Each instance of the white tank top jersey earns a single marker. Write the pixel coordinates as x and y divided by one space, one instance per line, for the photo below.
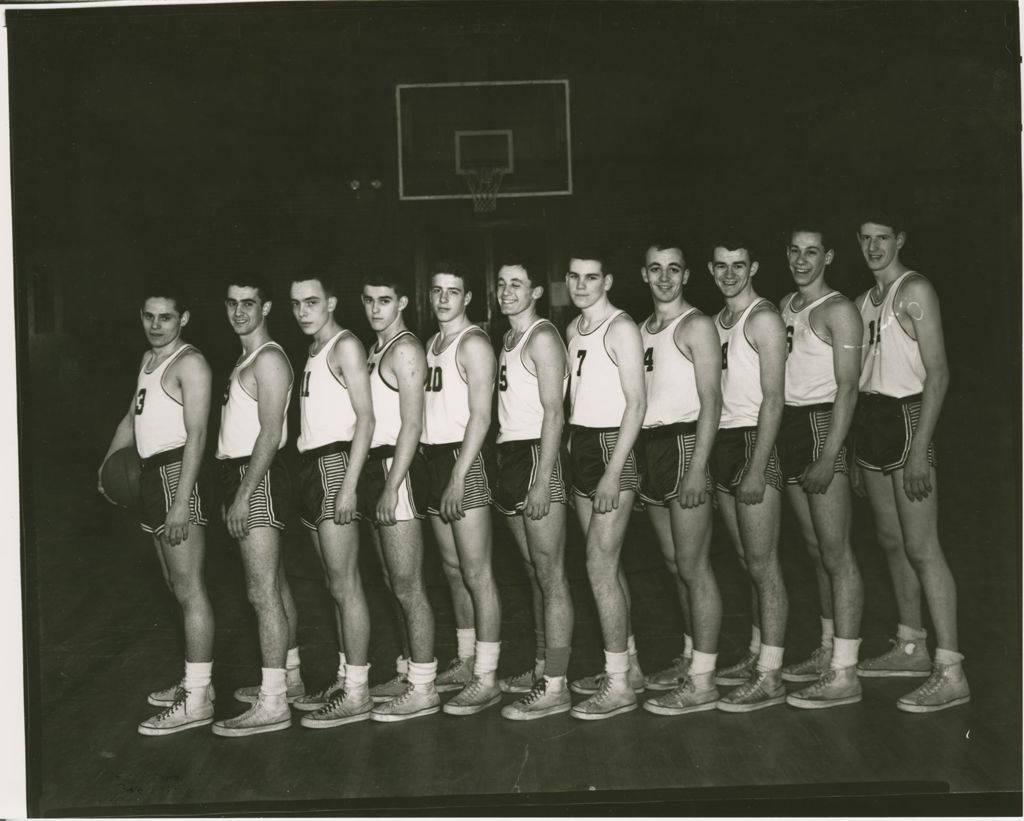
159 420
520 413
386 405
239 415
325 407
741 373
669 377
446 400
810 369
595 392
892 363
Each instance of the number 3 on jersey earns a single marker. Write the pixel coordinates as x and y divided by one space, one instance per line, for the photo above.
434 381
140 401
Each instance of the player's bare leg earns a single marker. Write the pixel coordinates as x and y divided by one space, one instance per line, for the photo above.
460 672
744 668
396 686
673 675
523 682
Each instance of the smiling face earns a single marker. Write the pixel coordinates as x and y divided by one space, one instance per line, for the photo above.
516 293
807 257
311 306
587 282
448 297
246 311
382 306
880 245
732 270
161 321
665 272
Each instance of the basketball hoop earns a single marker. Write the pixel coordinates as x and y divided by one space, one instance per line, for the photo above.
484 181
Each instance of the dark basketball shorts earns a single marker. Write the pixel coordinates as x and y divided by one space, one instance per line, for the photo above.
517 471
665 451
731 458
883 428
158 484
590 450
440 459
411 493
270 503
802 439
321 473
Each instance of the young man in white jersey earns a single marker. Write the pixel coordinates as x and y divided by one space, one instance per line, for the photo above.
530 489
166 421
683 381
746 470
253 429
389 491
457 414
823 335
903 382
336 415
607 408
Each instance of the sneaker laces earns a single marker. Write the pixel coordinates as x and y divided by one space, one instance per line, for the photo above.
335 686
935 680
177 706
472 688
456 664
335 701
540 689
824 680
405 695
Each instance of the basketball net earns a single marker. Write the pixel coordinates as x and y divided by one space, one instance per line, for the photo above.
484 182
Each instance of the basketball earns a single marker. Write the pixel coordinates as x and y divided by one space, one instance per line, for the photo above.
121 477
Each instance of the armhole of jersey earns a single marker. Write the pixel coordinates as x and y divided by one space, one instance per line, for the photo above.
291 371
822 304
906 276
334 345
604 339
753 310
694 311
176 355
526 341
458 347
383 354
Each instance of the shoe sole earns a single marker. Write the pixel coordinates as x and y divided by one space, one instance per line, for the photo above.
584 691
383 699
450 688
678 711
893 673
390 717
733 681
306 721
160 702
618 711
308 706
471 709
821 704
505 688
798 677
922 708
230 732
252 699
517 715
729 707
661 686
155 731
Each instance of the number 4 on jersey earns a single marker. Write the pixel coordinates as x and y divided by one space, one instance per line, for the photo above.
649 360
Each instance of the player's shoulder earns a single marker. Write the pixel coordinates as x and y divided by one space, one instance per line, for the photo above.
544 333
348 343
784 302
917 285
408 343
837 304
475 342
271 355
191 361
694 323
764 317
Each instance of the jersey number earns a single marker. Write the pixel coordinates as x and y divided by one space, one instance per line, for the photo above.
872 338
789 339
581 355
649 359
434 381
305 384
502 379
725 356
140 401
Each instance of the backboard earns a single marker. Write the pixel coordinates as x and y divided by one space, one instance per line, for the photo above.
521 128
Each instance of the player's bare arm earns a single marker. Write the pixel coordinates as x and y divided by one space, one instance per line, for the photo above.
697 338
271 375
405 365
190 378
627 351
476 361
838 321
348 359
545 355
767 334
917 309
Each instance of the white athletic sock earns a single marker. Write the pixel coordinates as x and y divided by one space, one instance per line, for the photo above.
769 658
466 638
631 644
616 662
687 646
273 682
357 676
198 675
844 653
422 675
828 631
486 660
910 633
341 666
703 663
402 666
947 657
292 660
755 639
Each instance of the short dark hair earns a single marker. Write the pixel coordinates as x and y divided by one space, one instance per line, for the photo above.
534 270
734 242
809 226
664 243
387 276
882 215
452 267
326 282
168 290
594 252
255 281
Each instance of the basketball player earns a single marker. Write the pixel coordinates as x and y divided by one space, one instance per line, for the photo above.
903 382
683 379
823 334
388 487
746 469
166 421
336 426
532 380
607 408
457 414
253 429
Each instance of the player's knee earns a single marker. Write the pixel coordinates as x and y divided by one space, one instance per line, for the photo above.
922 552
693 569
890 540
344 585
812 547
837 557
477 576
262 593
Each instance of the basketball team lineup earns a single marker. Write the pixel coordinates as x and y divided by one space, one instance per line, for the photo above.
694 421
